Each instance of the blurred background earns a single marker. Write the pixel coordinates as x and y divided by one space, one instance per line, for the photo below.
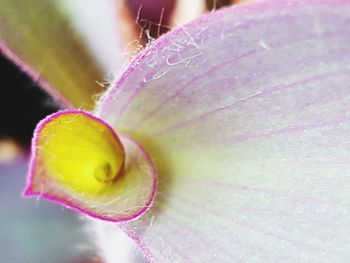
107 34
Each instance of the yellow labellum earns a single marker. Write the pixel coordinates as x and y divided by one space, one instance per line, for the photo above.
81 153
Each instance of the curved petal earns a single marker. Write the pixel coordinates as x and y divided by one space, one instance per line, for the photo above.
78 161
39 35
246 114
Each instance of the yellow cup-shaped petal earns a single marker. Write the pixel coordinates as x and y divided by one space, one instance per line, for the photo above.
81 153
79 161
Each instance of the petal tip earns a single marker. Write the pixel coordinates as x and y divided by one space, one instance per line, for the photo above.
28 192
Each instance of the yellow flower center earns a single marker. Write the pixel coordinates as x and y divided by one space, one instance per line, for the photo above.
81 153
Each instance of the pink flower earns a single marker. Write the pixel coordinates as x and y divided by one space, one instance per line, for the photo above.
245 115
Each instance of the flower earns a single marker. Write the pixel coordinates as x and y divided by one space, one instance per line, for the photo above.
245 115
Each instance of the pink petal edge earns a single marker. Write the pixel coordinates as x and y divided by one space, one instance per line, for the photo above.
165 39
28 191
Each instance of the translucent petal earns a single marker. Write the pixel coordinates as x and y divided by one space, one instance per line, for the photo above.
246 114
78 161
38 37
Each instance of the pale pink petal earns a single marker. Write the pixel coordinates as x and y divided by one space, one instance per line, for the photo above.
246 115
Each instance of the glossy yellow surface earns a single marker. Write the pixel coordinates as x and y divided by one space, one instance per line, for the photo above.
81 153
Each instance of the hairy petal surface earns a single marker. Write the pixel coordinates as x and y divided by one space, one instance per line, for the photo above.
246 114
39 34
78 161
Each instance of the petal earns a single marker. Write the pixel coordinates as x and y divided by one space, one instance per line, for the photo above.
246 115
38 34
80 162
120 248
